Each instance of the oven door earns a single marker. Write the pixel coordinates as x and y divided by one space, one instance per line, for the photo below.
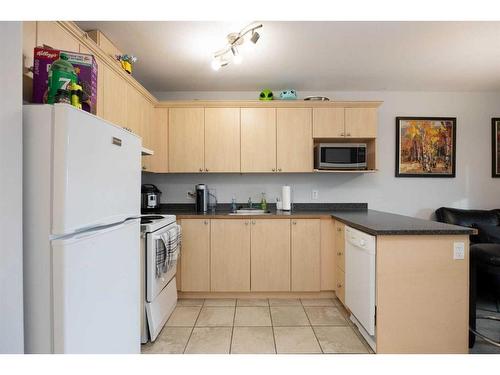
156 281
342 156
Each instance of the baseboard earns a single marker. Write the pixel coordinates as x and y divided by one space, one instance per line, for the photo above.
207 295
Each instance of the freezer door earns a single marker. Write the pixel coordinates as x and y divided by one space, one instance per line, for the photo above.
96 171
96 291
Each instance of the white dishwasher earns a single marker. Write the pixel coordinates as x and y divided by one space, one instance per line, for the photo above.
360 249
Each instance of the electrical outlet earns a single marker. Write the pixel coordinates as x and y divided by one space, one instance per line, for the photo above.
189 194
458 250
315 194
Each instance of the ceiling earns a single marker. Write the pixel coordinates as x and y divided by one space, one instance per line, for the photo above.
307 56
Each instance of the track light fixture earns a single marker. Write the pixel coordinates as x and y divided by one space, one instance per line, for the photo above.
234 40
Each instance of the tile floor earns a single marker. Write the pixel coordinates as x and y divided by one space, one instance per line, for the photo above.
258 326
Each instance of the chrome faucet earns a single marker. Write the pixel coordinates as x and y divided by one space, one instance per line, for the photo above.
250 202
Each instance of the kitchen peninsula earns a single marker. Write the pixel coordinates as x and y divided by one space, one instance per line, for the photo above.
421 285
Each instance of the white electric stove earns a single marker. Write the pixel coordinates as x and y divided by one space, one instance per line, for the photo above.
160 248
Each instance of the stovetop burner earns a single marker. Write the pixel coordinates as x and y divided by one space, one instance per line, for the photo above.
149 219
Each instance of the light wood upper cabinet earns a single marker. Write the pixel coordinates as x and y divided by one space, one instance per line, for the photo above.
146 121
134 110
186 140
328 122
328 255
305 253
294 140
195 254
230 255
222 140
270 255
158 162
115 92
53 35
258 140
361 122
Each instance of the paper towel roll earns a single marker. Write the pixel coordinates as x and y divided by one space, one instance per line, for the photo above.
286 198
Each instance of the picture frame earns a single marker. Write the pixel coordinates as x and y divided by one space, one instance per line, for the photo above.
495 147
426 146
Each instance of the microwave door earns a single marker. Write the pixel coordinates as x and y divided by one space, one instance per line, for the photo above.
338 157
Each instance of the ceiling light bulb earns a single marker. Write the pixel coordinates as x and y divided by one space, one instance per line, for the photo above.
255 37
236 55
216 64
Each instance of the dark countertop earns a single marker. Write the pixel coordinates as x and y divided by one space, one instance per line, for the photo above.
356 215
380 223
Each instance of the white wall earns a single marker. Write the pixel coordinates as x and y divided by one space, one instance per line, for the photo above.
11 261
473 186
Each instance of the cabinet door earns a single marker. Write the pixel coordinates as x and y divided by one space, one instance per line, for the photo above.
340 245
195 254
294 140
258 139
270 255
340 289
328 122
328 255
186 140
134 110
158 162
146 120
222 140
53 35
230 255
361 122
115 97
305 255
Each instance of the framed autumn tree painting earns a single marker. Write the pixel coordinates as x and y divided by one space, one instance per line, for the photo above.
425 146
495 147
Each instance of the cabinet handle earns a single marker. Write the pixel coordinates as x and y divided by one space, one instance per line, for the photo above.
342 134
339 253
274 169
206 222
246 222
201 169
144 168
348 134
206 169
279 169
294 222
339 229
339 285
253 222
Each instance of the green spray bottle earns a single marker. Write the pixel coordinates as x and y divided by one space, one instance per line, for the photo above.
61 75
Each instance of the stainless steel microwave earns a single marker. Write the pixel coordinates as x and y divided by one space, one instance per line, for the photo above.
340 156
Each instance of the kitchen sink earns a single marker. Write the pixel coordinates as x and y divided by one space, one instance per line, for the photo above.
250 211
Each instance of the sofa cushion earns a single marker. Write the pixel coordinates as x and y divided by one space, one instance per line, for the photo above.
466 218
486 253
488 233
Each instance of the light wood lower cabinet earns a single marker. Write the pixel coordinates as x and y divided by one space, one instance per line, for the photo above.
186 148
270 255
258 140
340 287
294 140
195 254
340 244
222 140
230 255
328 255
305 254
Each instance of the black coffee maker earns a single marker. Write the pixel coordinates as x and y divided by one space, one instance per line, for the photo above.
201 198
150 197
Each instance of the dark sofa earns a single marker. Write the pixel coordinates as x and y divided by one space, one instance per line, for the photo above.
484 253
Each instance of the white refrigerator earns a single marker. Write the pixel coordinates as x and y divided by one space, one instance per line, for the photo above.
81 192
